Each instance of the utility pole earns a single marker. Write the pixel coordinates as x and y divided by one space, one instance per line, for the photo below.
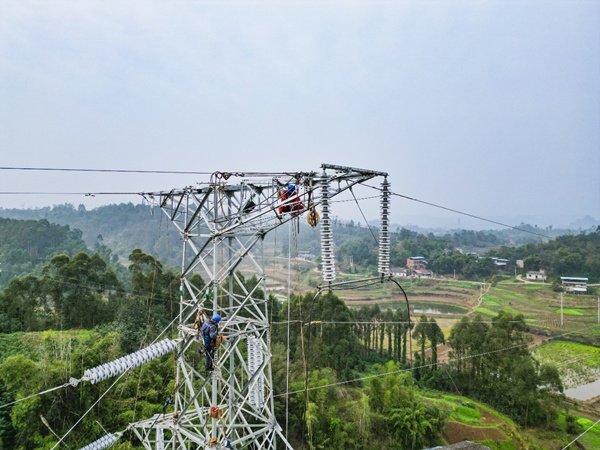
221 222
561 309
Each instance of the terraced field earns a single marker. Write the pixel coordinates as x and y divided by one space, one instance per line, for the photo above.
449 299
477 422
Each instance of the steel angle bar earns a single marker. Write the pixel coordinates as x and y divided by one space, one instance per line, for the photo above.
249 293
241 441
231 265
270 209
193 398
279 431
192 369
245 325
198 439
176 208
166 202
256 313
192 288
251 257
155 421
142 439
199 207
252 435
188 384
198 253
186 387
175 222
246 390
347 169
349 184
240 248
196 424
245 296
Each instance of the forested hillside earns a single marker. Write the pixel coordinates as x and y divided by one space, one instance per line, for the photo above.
121 227
124 227
115 230
25 244
354 382
360 378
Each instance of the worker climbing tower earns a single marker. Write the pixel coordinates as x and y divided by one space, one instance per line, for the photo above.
222 224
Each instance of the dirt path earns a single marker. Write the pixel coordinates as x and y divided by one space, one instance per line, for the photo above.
480 300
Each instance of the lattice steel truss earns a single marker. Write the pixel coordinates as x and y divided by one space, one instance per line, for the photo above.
222 224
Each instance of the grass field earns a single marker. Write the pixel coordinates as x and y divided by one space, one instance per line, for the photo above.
475 421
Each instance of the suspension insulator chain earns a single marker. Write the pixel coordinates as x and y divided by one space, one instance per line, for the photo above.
128 362
384 236
328 259
102 443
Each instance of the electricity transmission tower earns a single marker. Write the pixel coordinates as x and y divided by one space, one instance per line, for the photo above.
222 224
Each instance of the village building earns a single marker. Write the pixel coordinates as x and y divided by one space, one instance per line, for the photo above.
500 262
417 265
536 276
399 271
574 284
416 262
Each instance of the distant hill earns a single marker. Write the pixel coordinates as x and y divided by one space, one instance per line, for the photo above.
121 227
124 227
25 244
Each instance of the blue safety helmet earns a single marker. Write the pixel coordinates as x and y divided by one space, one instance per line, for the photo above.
216 318
291 188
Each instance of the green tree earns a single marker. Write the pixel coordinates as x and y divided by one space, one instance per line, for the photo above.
435 336
82 291
421 334
22 306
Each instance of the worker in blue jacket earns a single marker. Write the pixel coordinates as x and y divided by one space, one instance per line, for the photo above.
210 332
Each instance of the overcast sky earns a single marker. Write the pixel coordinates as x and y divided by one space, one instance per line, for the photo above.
489 107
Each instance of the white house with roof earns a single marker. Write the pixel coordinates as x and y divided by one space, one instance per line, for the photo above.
574 284
536 276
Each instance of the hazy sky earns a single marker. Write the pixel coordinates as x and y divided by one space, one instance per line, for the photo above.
490 107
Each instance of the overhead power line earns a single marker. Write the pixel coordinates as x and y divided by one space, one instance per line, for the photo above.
65 169
87 194
223 175
463 213
217 174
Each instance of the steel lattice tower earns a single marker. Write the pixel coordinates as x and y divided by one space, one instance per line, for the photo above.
222 224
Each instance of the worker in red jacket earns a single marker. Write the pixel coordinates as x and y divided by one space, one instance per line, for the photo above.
291 200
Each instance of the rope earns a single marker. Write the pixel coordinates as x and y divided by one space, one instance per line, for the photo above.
287 365
35 395
460 212
363 215
577 438
87 412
